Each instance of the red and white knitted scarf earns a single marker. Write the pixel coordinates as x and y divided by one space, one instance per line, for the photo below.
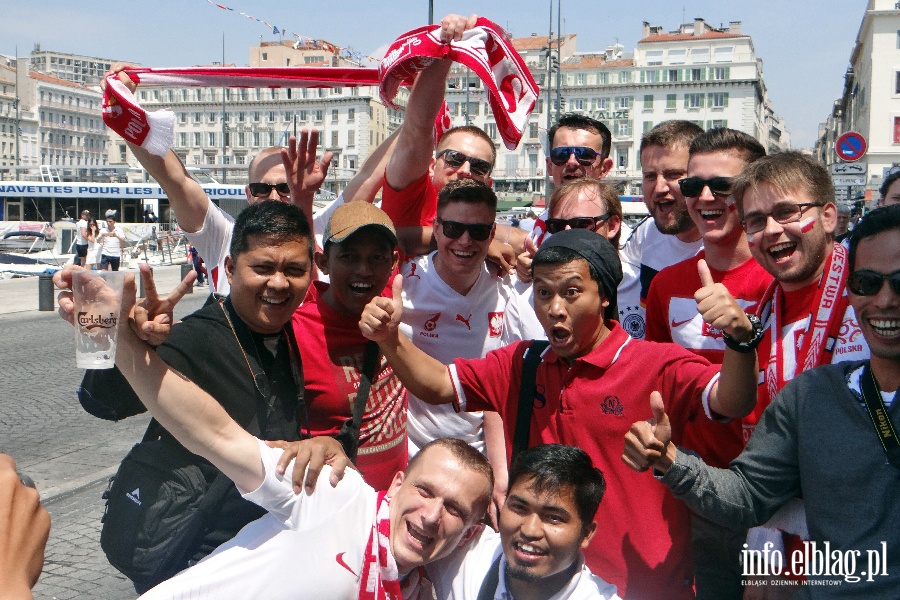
380 578
485 49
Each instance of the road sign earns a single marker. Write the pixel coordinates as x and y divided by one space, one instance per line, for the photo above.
850 146
855 168
839 180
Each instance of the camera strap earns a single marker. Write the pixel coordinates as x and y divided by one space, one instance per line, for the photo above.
881 420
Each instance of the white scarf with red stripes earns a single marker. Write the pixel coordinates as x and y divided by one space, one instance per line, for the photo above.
485 49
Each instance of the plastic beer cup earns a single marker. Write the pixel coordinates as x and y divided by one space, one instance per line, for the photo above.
98 301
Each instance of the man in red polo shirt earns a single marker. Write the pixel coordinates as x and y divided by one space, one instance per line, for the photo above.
592 383
716 158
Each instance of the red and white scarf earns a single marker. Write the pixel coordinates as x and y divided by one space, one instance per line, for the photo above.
827 310
485 49
380 578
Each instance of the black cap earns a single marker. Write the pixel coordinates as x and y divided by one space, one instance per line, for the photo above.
599 253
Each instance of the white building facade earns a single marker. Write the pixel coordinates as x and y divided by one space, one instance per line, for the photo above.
870 102
698 73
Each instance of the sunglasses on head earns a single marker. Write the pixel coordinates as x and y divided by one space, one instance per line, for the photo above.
692 187
262 190
455 159
584 155
868 283
477 231
557 225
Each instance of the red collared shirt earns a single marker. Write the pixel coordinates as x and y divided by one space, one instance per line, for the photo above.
643 540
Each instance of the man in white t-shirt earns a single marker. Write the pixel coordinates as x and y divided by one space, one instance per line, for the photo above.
81 241
674 238
344 541
547 519
454 305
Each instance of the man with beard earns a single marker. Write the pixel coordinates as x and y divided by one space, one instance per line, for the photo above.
674 238
816 438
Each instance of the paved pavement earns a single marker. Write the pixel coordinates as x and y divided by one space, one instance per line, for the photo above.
68 453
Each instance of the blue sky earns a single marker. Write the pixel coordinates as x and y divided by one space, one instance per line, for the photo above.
805 46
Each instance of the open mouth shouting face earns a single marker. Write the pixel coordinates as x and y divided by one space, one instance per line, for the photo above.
661 169
435 507
711 208
795 239
569 306
358 269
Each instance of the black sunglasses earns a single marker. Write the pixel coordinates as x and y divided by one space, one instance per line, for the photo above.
584 155
262 190
692 187
477 231
557 225
455 159
868 283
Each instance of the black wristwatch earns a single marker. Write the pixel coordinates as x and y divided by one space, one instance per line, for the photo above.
755 339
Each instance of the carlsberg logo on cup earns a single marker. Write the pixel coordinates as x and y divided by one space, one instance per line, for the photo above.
89 321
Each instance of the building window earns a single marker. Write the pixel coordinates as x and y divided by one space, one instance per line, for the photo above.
491 129
319 115
196 139
578 103
351 115
651 76
648 125
256 139
654 57
351 139
648 102
718 124
622 160
693 100
724 54
210 138
622 128
334 139
696 74
670 101
197 117
897 82
334 115
602 78
623 102
718 100
624 76
182 138
677 56
700 55
532 131
720 73
897 130
579 79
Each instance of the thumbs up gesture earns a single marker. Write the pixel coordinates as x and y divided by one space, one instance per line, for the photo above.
380 318
647 443
523 261
718 307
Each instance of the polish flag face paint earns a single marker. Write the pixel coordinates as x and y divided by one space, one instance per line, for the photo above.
807 224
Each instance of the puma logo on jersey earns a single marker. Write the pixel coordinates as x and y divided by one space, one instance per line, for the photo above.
465 320
412 271
135 496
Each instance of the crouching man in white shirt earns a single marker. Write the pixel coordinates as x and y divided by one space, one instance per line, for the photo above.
548 518
343 541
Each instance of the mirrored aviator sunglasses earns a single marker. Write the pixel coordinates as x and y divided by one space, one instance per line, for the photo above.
455 159
261 190
477 231
868 283
584 155
692 187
